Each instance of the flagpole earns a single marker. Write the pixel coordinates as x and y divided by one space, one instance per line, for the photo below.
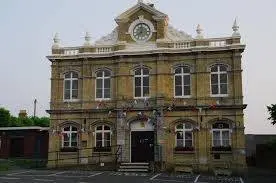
35 101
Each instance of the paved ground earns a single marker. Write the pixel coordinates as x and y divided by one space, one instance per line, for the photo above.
40 176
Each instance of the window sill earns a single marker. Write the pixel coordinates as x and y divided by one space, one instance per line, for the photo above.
219 95
184 152
144 98
221 152
221 149
102 99
71 101
69 149
183 97
102 149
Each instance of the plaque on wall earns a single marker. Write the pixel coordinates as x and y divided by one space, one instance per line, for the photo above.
121 142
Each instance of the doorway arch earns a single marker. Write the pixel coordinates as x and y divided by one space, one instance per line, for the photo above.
141 141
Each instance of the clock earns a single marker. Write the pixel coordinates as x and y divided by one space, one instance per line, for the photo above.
141 32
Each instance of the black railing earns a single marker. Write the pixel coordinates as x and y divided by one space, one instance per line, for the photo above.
97 155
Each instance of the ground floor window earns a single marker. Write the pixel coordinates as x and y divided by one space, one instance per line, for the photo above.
221 137
184 137
102 138
70 137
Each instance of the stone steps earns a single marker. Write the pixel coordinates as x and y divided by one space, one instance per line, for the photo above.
134 167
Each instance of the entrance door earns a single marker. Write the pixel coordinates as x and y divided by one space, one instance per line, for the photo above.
142 146
17 147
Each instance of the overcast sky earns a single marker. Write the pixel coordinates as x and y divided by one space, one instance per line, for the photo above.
27 28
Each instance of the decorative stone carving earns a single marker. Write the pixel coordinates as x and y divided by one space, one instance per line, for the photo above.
87 39
56 41
176 35
199 32
109 39
235 28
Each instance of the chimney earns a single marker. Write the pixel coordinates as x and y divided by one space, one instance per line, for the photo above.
22 114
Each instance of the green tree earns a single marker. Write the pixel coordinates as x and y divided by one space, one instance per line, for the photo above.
4 117
43 121
7 120
26 121
15 122
272 112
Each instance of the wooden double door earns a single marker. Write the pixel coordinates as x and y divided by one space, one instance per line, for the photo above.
142 146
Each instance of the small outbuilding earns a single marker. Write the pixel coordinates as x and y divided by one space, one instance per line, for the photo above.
24 142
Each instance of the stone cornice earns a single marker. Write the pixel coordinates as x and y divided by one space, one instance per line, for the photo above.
144 52
175 109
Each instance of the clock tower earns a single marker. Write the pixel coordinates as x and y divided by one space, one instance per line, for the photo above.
142 23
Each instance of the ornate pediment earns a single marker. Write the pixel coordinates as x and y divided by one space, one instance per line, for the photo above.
172 35
141 5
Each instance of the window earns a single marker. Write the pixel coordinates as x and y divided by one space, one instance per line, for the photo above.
71 86
221 135
103 137
219 80
69 137
103 84
141 83
182 82
184 136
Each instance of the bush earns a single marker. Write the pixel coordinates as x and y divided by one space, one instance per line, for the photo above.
4 166
170 169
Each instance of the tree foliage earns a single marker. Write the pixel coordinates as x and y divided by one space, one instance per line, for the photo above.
7 120
5 117
272 112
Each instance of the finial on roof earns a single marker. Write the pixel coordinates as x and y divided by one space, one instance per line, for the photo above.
199 32
56 41
87 39
235 28
140 1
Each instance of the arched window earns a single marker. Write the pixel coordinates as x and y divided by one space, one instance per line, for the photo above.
103 84
141 83
103 136
182 82
184 136
71 86
219 80
221 135
70 136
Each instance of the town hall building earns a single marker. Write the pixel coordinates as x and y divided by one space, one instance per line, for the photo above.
148 93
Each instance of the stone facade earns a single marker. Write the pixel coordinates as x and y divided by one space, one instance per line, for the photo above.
161 110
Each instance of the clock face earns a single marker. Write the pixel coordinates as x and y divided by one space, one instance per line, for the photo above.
141 32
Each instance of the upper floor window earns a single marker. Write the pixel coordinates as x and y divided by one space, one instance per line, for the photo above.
103 84
184 136
221 135
219 80
70 136
141 82
71 83
182 82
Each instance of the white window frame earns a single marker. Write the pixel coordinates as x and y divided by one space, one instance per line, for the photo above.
71 79
220 136
142 75
102 132
69 134
182 74
102 78
219 72
184 130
